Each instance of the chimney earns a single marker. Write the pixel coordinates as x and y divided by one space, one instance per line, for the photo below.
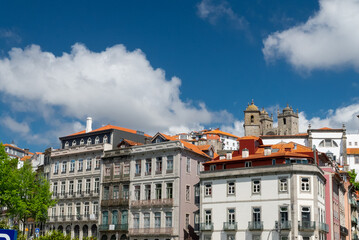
88 125
245 153
267 151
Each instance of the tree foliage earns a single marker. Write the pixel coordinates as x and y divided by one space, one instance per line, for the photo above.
353 175
25 194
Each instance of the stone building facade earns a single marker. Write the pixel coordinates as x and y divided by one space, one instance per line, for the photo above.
258 122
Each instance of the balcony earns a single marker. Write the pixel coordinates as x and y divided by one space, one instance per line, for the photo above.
206 227
152 203
255 226
324 227
150 231
306 225
230 226
284 225
52 218
113 227
343 231
115 202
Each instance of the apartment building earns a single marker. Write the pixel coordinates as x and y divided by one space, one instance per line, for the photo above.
149 191
264 192
74 172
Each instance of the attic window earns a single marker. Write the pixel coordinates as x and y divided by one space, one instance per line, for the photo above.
97 140
274 150
66 144
74 143
89 141
105 139
82 142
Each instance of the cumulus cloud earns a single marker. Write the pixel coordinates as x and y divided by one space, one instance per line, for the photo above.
212 11
235 128
328 39
13 125
114 86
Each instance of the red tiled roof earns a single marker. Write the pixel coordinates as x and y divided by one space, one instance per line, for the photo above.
325 128
107 127
203 147
219 132
132 143
194 148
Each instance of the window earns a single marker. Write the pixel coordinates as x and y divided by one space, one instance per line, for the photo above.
356 160
105 217
87 209
56 167
273 162
125 191
69 210
169 190
137 192
64 165
283 185
147 192
158 191
148 166
306 215
97 162
78 209
79 186
105 139
256 186
350 143
63 184
256 215
117 170
188 165
284 215
88 186
106 193
107 171
305 184
80 166
95 208
169 164
146 220
248 164
208 217
230 188
89 141
138 168
136 220
114 217
187 221
231 216
157 220
82 142
54 189
88 164
72 166
71 187
231 237
97 185
158 165
188 190
208 190
168 219
53 212
126 169
97 140
212 167
66 144
198 168
74 143
116 192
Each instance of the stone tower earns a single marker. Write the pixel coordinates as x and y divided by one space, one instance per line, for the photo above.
266 123
288 122
252 121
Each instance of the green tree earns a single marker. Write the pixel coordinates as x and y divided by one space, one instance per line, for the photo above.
25 193
352 176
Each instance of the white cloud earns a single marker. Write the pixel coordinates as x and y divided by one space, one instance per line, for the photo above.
328 39
212 10
235 128
334 119
13 125
114 86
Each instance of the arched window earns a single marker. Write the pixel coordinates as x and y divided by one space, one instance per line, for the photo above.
284 121
105 217
66 144
74 143
97 140
89 141
82 142
105 139
252 119
114 217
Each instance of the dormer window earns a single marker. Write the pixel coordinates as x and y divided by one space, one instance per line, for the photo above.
66 144
74 143
89 141
82 142
97 140
105 139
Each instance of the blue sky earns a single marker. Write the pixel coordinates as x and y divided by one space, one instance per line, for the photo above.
173 66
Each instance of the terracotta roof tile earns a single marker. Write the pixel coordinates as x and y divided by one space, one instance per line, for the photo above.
107 127
219 132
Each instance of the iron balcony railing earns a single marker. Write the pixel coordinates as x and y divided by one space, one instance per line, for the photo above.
167 231
115 202
306 225
323 227
256 225
113 227
206 227
153 202
284 225
230 226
